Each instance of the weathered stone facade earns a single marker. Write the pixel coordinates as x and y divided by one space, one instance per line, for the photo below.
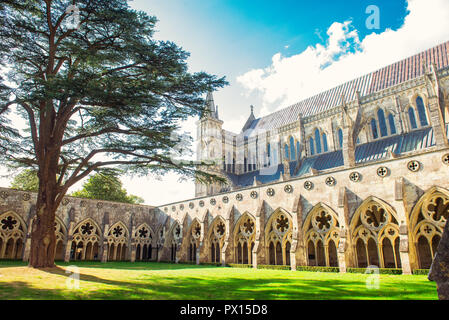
372 191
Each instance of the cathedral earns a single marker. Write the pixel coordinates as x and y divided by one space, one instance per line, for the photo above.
352 177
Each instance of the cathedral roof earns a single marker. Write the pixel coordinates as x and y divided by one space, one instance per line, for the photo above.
364 153
381 79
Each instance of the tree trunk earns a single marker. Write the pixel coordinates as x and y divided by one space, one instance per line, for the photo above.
43 238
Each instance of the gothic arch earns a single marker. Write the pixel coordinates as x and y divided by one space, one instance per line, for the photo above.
374 232
278 237
427 221
12 235
193 237
321 235
61 236
216 236
244 235
174 239
117 238
86 240
144 240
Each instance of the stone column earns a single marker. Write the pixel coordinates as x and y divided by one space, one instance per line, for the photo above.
401 212
434 108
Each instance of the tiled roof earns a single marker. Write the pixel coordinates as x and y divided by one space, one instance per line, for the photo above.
386 77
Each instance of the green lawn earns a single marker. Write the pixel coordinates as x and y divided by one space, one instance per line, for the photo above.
141 280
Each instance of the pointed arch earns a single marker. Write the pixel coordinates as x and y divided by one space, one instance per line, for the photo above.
321 231
422 114
244 234
412 118
12 235
278 232
117 238
86 235
391 124
382 122
427 221
375 223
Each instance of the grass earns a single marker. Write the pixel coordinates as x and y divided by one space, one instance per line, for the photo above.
142 280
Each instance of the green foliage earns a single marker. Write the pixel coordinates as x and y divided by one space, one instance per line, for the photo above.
317 269
106 186
381 270
423 272
273 267
236 265
26 180
103 95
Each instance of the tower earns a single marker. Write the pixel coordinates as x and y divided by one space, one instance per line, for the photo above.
209 145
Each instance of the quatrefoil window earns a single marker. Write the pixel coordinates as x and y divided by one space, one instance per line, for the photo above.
446 159
330 181
213 201
225 199
270 192
8 223
181 207
288 188
308 185
413 165
382 172
87 228
173 208
239 197
201 203
354 176
254 194
191 205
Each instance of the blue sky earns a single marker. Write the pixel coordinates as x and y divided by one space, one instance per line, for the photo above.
275 53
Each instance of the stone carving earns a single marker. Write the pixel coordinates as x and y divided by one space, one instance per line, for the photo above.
439 271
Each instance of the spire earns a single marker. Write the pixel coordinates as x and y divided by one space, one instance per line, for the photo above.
250 120
210 106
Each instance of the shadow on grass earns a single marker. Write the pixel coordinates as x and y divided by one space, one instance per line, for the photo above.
240 284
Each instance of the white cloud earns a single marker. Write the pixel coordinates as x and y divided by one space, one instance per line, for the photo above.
344 57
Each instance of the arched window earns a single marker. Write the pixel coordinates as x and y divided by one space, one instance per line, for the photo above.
286 151
318 141
340 138
421 112
311 144
292 149
411 115
324 137
391 123
382 123
297 148
374 129
269 154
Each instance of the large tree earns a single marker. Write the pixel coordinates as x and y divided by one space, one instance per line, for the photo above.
103 93
26 180
106 186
